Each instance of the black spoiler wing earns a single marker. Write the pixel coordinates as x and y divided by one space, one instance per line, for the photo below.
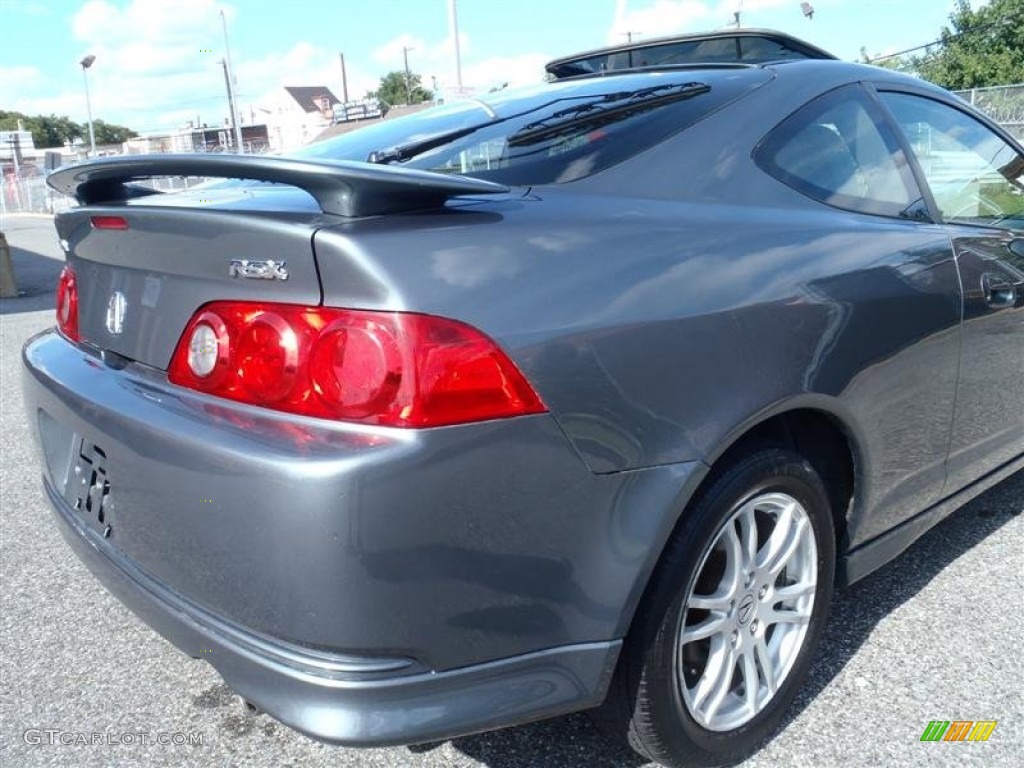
340 187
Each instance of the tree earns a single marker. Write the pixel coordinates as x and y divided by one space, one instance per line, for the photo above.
107 133
53 131
46 131
392 89
983 47
897 63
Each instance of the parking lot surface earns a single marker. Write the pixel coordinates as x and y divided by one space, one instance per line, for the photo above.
935 635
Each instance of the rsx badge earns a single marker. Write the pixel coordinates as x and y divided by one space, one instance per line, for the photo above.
258 270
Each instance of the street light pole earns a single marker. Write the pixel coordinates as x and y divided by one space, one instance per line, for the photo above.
86 63
453 17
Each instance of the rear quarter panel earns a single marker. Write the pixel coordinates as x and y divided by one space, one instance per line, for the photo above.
665 306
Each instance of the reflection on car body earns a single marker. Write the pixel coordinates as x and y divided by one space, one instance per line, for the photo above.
586 396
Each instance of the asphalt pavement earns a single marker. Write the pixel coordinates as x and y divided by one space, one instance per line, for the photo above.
936 635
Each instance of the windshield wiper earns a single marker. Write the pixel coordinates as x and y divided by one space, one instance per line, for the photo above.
610 105
408 151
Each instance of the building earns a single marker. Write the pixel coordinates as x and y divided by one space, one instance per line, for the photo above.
295 115
17 146
347 126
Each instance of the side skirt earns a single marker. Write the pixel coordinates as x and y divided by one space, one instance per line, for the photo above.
871 556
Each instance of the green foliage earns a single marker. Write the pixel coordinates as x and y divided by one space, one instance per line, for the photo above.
392 89
53 131
983 47
893 62
106 133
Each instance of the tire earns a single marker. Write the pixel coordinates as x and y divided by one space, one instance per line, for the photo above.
704 627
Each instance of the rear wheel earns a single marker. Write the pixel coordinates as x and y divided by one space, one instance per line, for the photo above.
733 615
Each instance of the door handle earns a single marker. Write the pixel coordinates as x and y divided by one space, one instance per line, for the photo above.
999 292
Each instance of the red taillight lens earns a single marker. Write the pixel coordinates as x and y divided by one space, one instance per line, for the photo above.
387 368
267 352
109 222
356 365
67 304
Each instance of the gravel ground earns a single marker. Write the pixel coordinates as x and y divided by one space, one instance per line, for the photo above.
934 635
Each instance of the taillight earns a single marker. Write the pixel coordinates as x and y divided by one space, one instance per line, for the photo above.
67 304
386 368
109 222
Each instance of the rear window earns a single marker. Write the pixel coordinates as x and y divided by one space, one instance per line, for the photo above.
558 133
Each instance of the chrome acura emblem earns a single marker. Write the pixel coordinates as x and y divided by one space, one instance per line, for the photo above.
258 270
116 308
746 609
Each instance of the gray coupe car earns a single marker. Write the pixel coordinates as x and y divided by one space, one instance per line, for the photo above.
582 394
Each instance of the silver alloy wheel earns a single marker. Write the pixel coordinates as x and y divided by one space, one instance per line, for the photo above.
744 622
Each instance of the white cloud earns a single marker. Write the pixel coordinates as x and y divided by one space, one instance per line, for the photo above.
390 53
188 23
436 60
153 57
662 17
21 75
158 65
515 70
302 64
19 89
657 18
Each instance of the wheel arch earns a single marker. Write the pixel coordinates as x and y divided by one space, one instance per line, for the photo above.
818 428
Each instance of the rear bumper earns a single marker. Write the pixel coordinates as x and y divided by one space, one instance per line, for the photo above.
365 586
347 699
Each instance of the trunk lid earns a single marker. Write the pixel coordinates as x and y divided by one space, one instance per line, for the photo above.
139 285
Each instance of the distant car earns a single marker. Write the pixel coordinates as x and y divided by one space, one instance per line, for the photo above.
745 46
582 393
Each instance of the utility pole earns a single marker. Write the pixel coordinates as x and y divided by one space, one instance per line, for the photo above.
629 39
408 86
231 99
453 19
229 73
344 79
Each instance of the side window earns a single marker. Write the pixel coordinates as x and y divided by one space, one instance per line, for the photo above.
836 151
975 176
760 49
672 53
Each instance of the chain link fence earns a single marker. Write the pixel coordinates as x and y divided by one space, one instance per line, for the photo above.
1003 103
30 193
25 190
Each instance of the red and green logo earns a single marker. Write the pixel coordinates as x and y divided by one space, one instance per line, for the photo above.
959 730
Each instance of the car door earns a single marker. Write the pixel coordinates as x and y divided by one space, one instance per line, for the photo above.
898 311
976 180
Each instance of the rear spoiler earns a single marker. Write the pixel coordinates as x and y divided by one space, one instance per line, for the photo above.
340 187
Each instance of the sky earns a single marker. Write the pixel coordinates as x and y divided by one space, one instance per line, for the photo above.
158 61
